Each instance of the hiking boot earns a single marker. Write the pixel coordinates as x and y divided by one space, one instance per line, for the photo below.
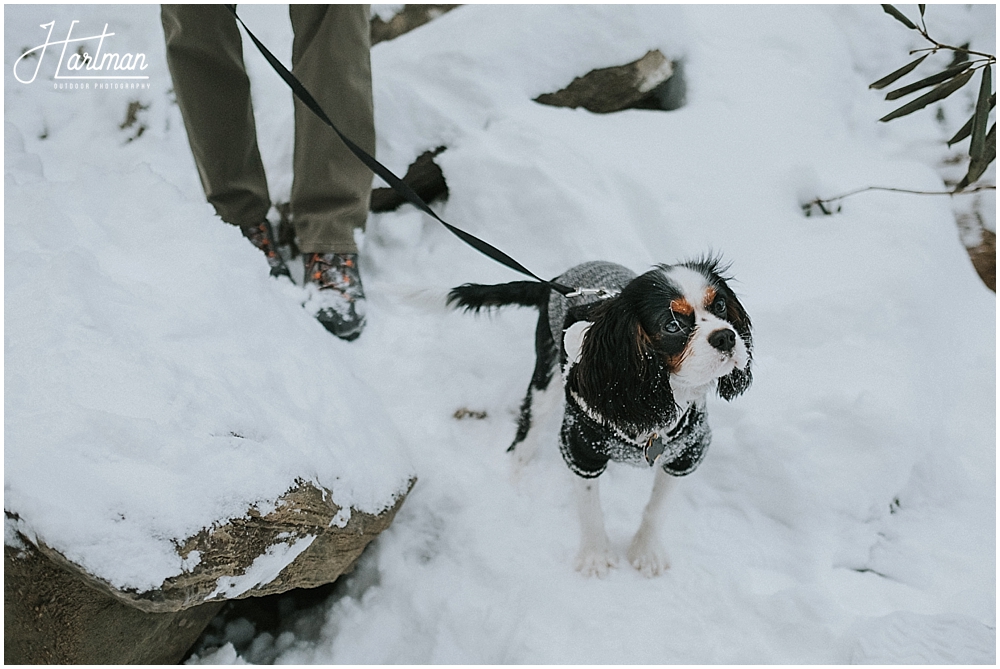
262 236
334 293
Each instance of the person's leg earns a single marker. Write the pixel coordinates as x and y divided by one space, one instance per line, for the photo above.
331 188
205 57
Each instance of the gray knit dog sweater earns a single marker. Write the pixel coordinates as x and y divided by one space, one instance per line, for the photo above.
587 443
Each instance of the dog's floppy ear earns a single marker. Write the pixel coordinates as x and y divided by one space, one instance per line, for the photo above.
618 374
737 381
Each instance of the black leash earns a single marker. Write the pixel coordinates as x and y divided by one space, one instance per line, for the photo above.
382 171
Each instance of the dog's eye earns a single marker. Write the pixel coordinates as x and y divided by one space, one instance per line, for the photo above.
719 307
673 327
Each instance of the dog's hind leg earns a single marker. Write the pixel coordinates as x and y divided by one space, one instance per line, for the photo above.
543 396
646 551
536 424
596 556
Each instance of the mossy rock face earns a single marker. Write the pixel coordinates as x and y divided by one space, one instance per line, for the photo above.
54 612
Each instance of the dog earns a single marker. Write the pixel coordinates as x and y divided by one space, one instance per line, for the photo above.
638 357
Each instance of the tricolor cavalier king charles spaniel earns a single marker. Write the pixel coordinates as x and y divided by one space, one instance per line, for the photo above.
638 356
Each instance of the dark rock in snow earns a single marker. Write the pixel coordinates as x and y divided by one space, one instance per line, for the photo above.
984 259
652 82
423 176
408 18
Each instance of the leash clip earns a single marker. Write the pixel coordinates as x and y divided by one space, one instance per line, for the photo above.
602 293
654 448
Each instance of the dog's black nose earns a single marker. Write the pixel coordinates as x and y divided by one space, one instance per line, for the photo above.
724 340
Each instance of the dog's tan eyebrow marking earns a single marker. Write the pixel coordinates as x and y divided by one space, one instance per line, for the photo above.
709 296
681 306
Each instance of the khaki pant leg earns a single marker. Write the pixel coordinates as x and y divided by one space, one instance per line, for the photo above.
331 188
205 57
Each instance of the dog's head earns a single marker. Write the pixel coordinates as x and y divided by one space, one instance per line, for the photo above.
675 327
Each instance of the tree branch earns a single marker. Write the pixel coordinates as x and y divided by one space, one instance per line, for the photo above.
822 203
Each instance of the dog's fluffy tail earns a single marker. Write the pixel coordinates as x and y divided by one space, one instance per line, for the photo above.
476 296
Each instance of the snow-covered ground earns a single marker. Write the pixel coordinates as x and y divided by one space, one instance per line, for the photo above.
846 510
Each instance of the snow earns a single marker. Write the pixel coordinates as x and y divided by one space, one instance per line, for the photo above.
846 510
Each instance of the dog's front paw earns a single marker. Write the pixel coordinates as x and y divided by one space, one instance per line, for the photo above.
596 561
648 555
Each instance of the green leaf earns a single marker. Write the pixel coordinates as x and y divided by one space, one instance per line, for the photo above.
901 72
960 56
898 15
977 167
939 93
981 116
966 129
921 8
944 75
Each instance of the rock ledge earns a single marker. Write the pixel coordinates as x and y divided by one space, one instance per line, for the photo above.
305 542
